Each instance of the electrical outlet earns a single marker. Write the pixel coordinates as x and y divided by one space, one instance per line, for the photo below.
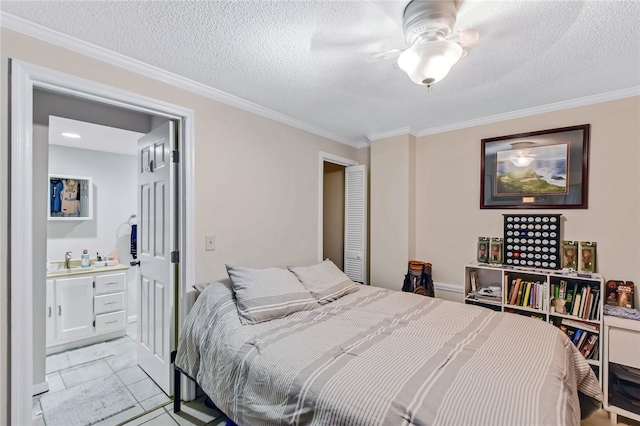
209 242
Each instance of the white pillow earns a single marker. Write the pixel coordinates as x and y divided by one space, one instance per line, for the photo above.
325 281
265 294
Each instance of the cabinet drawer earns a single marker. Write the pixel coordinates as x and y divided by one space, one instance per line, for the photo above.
110 322
108 303
109 283
624 347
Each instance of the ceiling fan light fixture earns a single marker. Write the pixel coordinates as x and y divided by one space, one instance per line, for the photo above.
522 159
429 61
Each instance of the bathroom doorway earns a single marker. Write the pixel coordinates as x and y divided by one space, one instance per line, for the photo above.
26 191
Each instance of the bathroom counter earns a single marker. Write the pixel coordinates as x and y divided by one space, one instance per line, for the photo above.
78 270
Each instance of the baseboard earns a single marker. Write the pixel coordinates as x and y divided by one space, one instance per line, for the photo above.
448 287
132 318
39 388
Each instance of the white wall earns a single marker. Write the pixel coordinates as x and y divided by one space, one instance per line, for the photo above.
114 200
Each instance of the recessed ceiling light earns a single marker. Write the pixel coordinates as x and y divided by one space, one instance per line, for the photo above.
71 135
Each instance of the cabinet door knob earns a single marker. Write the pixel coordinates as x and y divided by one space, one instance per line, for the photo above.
59 310
49 311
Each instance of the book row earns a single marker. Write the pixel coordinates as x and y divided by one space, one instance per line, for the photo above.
527 294
576 299
585 341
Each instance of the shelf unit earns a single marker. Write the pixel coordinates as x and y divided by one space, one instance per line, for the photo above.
623 348
503 276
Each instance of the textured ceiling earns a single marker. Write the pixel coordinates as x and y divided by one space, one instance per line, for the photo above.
309 59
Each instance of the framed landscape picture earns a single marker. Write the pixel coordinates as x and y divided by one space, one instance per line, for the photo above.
544 169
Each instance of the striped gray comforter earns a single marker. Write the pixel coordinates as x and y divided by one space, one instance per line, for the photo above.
379 357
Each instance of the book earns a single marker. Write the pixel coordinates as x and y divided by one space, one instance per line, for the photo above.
570 296
595 312
579 324
576 336
520 291
585 302
583 338
514 294
589 345
576 304
525 299
562 290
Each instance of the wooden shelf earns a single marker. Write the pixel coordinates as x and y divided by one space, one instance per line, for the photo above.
572 317
483 301
524 308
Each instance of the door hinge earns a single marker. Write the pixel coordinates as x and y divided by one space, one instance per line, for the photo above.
175 156
175 256
94 323
94 284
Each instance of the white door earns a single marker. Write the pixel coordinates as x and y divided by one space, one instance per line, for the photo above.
50 313
157 238
355 223
74 307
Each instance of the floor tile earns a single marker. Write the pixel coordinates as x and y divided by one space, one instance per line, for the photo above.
121 417
38 422
131 375
36 411
194 413
120 362
155 401
86 354
162 420
222 421
85 373
132 330
55 382
144 389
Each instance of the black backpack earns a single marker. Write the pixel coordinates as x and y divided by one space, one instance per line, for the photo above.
418 279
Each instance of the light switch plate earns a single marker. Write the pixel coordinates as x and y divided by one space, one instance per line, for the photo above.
209 242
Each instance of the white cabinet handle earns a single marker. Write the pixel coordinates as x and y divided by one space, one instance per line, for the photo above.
109 303
110 322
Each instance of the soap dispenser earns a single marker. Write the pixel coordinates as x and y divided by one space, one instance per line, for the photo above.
84 259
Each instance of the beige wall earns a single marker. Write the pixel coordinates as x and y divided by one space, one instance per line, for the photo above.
389 207
333 213
256 180
448 217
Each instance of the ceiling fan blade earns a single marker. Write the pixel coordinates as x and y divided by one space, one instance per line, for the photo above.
468 38
387 54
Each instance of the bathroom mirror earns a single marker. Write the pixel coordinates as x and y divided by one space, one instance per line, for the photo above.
70 197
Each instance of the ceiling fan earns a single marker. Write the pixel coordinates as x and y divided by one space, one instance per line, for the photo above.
428 27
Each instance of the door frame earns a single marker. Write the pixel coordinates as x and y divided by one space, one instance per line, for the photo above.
329 158
25 77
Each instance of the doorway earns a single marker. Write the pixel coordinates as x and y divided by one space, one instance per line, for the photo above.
25 79
351 214
333 214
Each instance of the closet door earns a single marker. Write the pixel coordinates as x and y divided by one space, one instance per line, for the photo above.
355 223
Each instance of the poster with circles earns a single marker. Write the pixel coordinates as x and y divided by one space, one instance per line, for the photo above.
532 240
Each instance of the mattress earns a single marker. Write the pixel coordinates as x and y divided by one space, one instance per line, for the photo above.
380 357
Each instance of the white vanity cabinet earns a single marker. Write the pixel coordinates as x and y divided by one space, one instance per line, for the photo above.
84 308
73 310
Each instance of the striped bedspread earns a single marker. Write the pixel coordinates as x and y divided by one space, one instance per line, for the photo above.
379 357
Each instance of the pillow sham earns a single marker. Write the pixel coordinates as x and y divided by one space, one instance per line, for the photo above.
266 294
325 281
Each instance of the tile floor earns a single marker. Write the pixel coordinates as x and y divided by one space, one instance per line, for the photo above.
116 359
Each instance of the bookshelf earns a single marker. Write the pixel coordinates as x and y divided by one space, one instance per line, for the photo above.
532 292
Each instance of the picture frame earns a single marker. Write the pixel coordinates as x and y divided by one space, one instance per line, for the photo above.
495 250
483 250
70 198
546 169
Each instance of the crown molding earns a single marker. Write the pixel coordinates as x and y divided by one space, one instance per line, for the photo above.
390 133
556 106
40 32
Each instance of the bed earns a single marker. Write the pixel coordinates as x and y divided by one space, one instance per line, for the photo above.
380 357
